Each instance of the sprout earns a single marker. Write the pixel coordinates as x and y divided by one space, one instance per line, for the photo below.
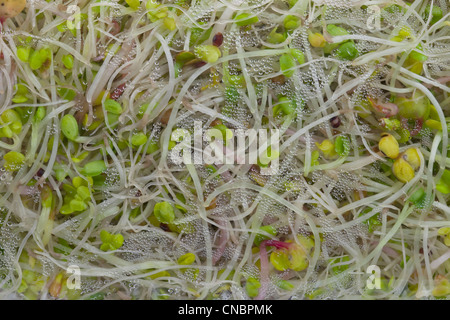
138 139
412 157
237 81
291 22
443 186
110 241
298 55
113 106
328 149
13 160
418 106
252 287
285 285
266 157
441 286
227 134
284 106
11 123
418 198
347 51
46 197
405 32
433 124
78 195
417 56
316 40
39 57
208 53
68 61
275 37
184 56
342 146
315 158
155 12
134 4
56 286
186 259
245 19
402 170
23 53
261 237
436 13
280 260
291 255
390 124
94 168
335 30
152 147
40 114
389 146
69 127
169 23
287 64
164 212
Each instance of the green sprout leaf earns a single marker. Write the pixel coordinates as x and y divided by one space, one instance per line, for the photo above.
436 13
245 19
298 55
443 186
347 51
418 198
208 53
13 160
66 94
110 242
184 56
138 139
280 259
69 127
252 287
186 259
373 221
68 61
169 23
94 168
267 229
287 65
164 212
113 106
23 53
285 285
418 106
342 146
336 31
284 106
275 37
40 114
134 4
291 22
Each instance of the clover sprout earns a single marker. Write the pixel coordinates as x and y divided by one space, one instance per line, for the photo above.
91 92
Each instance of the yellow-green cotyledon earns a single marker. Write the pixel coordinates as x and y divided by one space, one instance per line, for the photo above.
11 8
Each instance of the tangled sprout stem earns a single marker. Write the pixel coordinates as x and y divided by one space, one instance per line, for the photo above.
91 93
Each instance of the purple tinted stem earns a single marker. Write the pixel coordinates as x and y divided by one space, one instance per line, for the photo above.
276 243
265 264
